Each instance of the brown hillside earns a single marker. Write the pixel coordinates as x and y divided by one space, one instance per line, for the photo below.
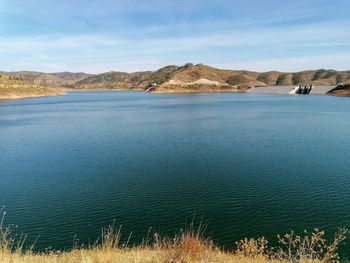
239 78
13 87
52 79
71 76
7 79
269 78
186 78
192 73
48 80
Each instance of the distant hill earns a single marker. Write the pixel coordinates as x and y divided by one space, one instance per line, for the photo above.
109 80
71 76
186 78
192 78
123 80
13 87
8 79
52 79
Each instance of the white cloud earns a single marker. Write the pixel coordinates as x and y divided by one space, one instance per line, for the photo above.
287 48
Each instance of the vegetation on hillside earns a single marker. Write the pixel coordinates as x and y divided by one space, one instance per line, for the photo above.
6 79
123 80
74 76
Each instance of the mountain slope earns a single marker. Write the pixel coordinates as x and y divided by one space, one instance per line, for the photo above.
187 78
197 78
53 79
123 80
71 76
13 87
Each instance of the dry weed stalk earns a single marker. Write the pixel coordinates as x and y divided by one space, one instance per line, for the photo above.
7 240
311 247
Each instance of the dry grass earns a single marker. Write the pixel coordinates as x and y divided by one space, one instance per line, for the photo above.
23 91
188 246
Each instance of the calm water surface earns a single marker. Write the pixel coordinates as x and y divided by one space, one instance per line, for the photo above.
251 165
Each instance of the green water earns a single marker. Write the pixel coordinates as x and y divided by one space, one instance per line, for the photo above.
251 165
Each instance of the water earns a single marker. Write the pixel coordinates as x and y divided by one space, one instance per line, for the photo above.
252 165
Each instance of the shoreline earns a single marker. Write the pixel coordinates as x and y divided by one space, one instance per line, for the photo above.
195 91
341 93
97 89
63 91
161 91
17 97
13 92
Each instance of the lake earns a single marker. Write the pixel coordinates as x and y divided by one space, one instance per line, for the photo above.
250 165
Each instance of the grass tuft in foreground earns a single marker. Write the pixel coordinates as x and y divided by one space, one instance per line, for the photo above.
188 246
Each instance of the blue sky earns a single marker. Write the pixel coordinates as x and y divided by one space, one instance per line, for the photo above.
132 35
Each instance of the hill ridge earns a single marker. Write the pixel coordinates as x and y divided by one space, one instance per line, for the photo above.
185 78
188 78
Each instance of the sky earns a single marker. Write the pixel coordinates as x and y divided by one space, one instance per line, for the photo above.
97 36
